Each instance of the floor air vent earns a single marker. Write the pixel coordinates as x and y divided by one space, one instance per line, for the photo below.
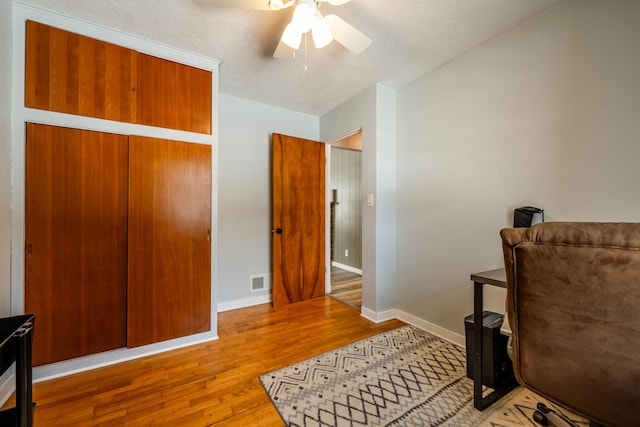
260 282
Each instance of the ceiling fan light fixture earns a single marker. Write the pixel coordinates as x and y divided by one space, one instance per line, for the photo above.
303 15
291 36
320 31
276 4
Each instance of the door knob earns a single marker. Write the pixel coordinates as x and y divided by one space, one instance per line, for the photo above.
277 230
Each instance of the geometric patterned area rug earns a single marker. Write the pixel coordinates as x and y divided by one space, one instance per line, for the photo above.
403 377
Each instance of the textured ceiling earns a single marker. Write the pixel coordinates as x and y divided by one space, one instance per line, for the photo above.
409 38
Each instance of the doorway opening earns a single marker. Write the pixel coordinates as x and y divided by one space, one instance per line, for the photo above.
345 222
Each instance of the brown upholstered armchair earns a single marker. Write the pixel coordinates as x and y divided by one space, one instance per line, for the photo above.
573 302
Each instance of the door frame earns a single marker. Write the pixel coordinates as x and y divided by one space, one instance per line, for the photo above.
328 196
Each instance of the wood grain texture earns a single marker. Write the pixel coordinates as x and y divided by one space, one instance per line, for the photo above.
299 210
173 95
76 229
169 286
210 384
70 73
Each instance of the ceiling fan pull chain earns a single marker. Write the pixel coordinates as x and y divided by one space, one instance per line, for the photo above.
305 51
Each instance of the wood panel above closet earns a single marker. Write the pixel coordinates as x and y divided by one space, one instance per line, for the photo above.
70 73
74 74
173 95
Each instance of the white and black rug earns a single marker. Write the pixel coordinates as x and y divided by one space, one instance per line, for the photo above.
403 377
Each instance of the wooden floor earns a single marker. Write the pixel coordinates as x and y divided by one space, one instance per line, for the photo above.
346 287
214 383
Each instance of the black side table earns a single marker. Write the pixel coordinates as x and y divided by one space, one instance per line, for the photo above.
16 335
495 278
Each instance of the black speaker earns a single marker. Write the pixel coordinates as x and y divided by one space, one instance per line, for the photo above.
523 217
496 365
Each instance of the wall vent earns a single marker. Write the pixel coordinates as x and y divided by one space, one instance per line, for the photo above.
260 282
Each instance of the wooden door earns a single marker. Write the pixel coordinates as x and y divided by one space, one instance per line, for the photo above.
169 289
74 74
298 219
76 241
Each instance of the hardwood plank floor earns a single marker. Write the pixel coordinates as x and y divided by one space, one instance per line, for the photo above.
346 287
208 384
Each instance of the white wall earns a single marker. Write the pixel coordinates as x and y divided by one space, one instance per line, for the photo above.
244 225
374 112
547 114
385 199
5 158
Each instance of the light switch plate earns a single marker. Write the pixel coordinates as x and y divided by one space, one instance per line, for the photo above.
369 200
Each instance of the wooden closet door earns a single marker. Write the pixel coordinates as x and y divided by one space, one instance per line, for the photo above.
70 73
76 241
172 95
169 287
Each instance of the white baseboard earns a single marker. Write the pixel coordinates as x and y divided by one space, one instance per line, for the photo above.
7 386
346 268
81 364
242 303
434 329
375 317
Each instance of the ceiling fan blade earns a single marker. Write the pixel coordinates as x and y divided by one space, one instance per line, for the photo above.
336 2
252 4
346 34
283 51
241 4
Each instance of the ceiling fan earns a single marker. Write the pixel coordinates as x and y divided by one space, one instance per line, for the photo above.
307 18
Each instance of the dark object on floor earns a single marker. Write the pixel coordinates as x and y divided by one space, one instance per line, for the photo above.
573 298
16 335
545 415
496 365
523 217
540 418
